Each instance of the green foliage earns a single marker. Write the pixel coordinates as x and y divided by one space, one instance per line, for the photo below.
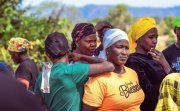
15 24
169 21
120 17
168 29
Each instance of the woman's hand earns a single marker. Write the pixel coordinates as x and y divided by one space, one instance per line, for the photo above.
159 58
74 56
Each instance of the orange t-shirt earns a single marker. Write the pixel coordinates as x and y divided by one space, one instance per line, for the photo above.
114 92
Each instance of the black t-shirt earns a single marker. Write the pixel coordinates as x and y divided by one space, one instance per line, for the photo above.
150 75
172 55
14 97
29 71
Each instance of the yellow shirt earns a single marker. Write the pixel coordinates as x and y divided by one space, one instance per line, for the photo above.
114 92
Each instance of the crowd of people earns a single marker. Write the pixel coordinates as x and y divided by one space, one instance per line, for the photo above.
124 73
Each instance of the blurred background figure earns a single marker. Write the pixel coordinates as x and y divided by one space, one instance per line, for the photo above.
6 69
169 98
27 70
172 53
150 64
14 97
101 27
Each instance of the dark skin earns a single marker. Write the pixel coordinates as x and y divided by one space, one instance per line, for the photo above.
94 69
18 57
146 45
117 54
86 45
177 32
101 33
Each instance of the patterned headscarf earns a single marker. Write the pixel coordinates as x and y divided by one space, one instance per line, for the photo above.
19 45
138 29
81 30
177 21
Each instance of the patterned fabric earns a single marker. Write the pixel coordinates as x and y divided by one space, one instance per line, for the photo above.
177 21
82 30
138 29
169 98
19 45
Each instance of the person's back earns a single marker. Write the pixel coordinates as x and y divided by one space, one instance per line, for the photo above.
65 83
28 70
169 98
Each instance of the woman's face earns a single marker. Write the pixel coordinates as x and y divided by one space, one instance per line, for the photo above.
87 45
148 40
118 52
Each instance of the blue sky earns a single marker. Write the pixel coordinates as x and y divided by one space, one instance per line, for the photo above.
136 3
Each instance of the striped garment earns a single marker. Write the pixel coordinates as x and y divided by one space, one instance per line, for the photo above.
169 98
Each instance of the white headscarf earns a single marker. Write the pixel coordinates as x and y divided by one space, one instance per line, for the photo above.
111 36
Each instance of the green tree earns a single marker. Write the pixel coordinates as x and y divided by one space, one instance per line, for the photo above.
14 23
169 21
119 17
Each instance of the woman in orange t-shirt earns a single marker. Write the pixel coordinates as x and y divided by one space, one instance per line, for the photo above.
118 90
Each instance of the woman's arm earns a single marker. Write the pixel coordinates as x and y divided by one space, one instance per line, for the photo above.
80 57
97 65
98 68
94 94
